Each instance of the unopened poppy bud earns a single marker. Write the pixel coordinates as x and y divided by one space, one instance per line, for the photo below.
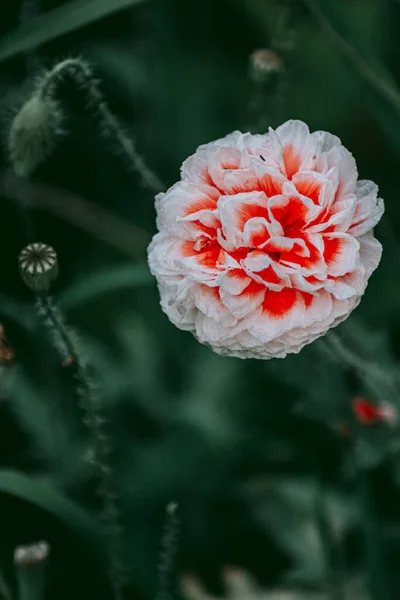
38 267
34 133
34 554
263 63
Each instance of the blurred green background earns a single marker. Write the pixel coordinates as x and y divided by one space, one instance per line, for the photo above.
272 471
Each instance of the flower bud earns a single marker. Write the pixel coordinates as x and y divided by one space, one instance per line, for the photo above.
38 267
34 133
34 554
263 63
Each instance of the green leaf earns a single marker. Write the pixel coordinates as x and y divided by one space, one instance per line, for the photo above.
39 492
57 22
106 282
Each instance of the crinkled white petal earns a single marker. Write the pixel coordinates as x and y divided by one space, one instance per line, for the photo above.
266 242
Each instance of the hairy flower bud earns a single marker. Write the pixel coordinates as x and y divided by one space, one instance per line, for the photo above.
38 267
34 133
263 63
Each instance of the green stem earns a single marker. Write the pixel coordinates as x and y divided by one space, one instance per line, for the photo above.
30 563
168 551
334 567
30 583
94 423
381 84
80 73
373 551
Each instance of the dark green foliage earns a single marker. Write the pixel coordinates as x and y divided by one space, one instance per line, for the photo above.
271 468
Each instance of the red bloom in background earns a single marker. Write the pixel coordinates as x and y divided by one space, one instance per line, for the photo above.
370 414
266 242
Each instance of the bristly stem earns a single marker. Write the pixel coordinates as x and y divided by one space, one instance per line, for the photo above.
68 346
269 90
371 372
168 551
373 551
331 551
81 74
380 84
30 565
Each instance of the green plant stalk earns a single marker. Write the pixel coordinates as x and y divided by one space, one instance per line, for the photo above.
169 545
373 552
80 73
101 447
268 97
30 582
101 223
380 83
334 570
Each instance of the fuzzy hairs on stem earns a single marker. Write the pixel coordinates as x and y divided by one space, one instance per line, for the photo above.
38 267
38 125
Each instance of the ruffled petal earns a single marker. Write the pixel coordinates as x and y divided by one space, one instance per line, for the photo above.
369 208
296 145
266 242
235 211
370 253
182 200
242 305
341 252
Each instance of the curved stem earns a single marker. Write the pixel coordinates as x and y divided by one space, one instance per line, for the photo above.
381 85
373 551
80 73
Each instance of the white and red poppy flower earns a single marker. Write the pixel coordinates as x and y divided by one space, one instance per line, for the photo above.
266 242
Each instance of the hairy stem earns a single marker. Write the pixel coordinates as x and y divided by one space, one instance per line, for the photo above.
379 83
94 422
81 74
377 378
168 551
373 551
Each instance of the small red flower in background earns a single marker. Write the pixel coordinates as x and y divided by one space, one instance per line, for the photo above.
370 414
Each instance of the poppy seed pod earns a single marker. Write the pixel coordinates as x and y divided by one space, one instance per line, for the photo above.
33 554
38 267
